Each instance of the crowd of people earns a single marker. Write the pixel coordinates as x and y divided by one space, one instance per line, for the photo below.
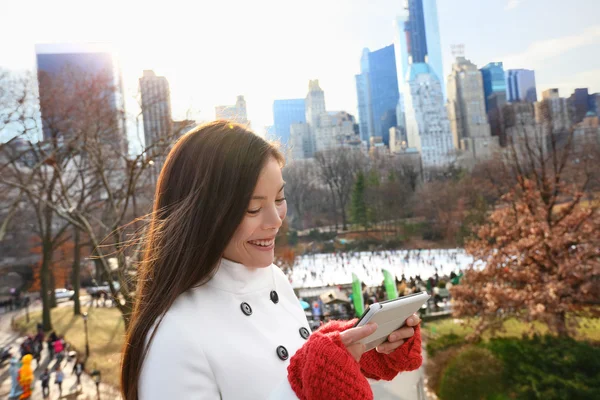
58 351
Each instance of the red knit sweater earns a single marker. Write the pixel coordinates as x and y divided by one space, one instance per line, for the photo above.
324 369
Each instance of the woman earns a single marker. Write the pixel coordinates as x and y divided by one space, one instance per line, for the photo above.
214 318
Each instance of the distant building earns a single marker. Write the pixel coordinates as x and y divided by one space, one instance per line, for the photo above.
418 38
466 111
59 65
579 103
156 113
156 107
377 92
520 85
182 127
587 132
521 128
235 113
286 113
496 102
494 82
334 131
363 94
553 115
302 144
398 141
323 131
595 103
427 125
377 149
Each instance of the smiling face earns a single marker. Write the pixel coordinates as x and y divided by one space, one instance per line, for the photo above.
253 243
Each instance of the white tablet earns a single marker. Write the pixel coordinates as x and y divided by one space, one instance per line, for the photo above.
390 316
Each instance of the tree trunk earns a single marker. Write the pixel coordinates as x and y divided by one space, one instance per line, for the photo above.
561 325
335 215
52 282
76 272
45 286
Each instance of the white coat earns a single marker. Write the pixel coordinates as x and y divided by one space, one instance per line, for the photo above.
222 340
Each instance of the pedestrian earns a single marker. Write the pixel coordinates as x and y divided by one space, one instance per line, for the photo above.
45 379
59 376
78 369
59 348
210 301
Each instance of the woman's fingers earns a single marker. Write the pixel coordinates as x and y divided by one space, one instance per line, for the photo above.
400 334
353 335
388 348
413 320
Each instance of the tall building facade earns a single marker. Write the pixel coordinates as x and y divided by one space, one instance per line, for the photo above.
156 107
520 85
236 113
427 125
553 115
286 113
363 94
63 69
466 111
417 40
315 103
494 82
322 131
579 102
377 93
383 85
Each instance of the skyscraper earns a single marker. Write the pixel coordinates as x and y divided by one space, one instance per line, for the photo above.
579 102
156 107
494 82
383 85
156 113
70 74
322 131
466 110
520 85
377 92
315 103
427 125
553 115
285 113
235 113
363 93
418 38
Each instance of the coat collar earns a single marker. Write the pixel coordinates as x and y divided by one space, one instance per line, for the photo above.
237 278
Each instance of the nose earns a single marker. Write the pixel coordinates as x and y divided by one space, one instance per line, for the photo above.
273 219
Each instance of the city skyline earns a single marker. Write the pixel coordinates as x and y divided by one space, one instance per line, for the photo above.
558 46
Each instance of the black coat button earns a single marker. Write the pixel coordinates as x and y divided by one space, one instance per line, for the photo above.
274 297
282 353
304 333
246 309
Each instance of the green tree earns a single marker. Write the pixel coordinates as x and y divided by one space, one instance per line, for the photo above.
358 210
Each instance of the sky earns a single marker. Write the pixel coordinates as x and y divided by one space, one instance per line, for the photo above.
212 51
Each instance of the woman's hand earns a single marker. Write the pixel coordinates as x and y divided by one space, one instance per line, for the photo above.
351 337
397 338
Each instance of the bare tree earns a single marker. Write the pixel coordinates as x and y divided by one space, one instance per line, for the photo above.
300 181
539 246
337 169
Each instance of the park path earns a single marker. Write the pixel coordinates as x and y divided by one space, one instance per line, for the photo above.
87 391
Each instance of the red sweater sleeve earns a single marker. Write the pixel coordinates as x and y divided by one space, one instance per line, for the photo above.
323 369
407 357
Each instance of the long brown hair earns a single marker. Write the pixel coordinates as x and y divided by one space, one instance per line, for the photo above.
202 195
